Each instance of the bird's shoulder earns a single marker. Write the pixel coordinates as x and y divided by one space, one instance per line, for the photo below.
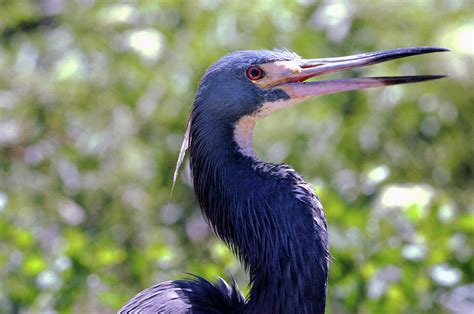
301 190
192 295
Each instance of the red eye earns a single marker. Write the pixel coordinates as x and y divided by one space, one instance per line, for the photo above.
254 73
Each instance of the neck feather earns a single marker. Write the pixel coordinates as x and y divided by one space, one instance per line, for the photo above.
266 213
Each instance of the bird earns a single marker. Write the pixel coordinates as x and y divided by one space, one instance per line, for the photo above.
267 214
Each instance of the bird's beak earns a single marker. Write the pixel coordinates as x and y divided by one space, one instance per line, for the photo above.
290 76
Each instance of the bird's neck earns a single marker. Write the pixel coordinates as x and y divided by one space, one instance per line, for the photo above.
260 210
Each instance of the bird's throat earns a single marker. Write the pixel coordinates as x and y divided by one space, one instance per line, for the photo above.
243 128
243 135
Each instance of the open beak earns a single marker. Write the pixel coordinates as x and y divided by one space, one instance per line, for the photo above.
290 76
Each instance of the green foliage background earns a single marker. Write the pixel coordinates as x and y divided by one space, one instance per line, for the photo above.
94 97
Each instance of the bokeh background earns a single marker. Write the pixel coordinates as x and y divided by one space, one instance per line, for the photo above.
94 98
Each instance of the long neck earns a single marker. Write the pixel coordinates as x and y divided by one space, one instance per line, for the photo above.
269 217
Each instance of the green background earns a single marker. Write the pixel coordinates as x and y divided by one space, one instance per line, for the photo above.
94 98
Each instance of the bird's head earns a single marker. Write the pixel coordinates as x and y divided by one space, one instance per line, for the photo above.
231 87
245 86
260 81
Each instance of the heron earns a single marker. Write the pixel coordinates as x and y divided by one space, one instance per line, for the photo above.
267 214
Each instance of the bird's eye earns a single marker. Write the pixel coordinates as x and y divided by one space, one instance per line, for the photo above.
254 73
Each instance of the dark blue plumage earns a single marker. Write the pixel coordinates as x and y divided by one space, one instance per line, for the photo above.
196 295
266 213
261 218
279 234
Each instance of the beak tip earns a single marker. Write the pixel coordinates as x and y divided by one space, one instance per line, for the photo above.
410 79
423 50
441 49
